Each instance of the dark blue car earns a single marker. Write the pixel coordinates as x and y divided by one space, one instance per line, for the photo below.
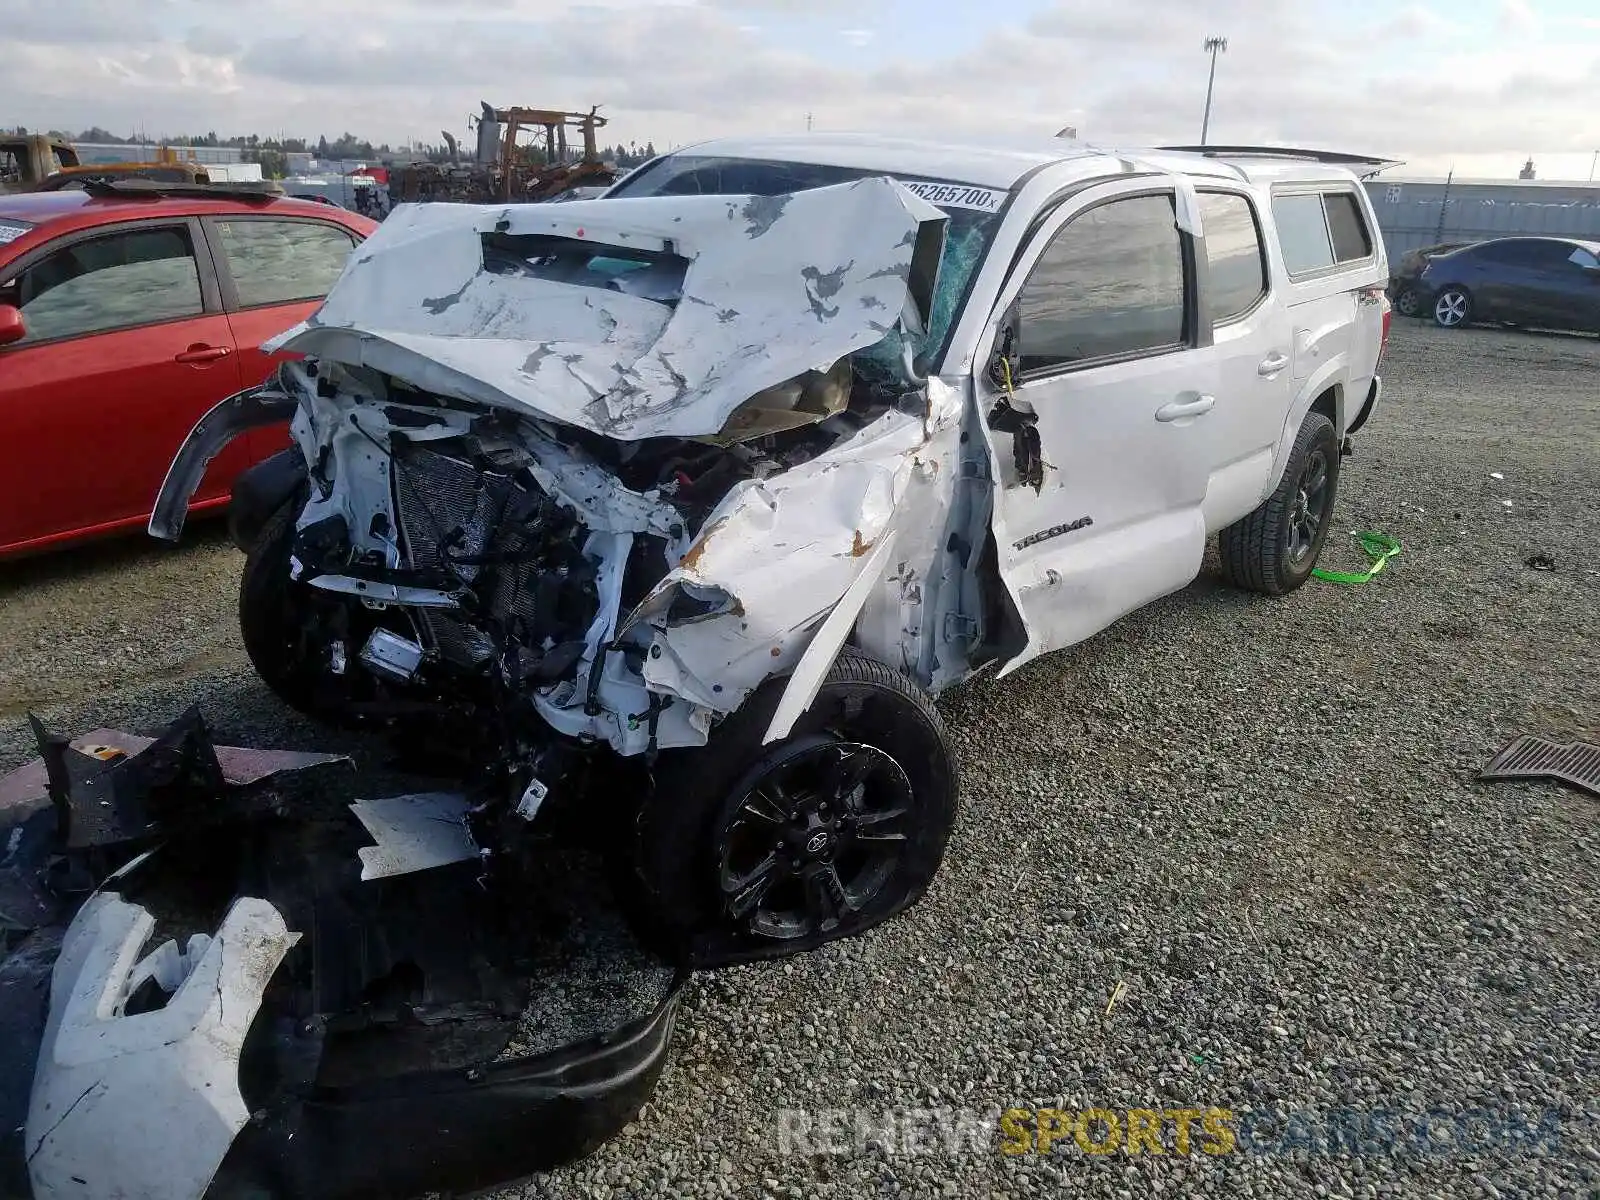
1546 282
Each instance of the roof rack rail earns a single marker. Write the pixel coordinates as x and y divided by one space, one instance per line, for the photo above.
1330 157
242 189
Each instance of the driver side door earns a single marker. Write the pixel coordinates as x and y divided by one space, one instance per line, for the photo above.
1116 376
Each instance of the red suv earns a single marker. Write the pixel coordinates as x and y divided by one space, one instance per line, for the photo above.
124 315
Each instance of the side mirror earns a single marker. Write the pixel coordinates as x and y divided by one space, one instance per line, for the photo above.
12 328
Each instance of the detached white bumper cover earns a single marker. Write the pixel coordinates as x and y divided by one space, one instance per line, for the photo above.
145 1107
773 287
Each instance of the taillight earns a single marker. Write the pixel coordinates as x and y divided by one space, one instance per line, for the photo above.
1388 318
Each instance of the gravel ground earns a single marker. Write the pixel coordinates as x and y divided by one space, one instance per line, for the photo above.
1228 854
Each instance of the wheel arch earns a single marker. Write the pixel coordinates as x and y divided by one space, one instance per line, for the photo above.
1323 393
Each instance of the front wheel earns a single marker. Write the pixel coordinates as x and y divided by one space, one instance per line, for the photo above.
1274 549
1453 308
1408 303
299 640
744 851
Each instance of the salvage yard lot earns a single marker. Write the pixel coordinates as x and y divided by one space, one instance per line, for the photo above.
1253 823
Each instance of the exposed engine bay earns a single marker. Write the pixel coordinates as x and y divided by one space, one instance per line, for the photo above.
504 558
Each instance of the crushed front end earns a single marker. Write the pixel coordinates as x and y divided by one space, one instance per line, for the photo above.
611 503
602 470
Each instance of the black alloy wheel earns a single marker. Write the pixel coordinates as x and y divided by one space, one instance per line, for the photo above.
744 851
1308 511
816 834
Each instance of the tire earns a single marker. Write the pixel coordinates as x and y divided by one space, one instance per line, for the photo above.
723 875
1407 302
1452 308
276 626
1274 549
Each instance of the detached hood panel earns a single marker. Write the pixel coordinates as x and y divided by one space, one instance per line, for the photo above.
774 286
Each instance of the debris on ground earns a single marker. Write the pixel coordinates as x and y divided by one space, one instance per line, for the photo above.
252 977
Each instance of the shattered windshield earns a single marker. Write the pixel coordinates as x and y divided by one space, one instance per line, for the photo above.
974 213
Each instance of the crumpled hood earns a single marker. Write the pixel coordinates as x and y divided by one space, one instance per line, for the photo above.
775 286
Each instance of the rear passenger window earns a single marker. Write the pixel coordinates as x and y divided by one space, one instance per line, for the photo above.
278 262
1513 253
1109 284
1351 241
1237 275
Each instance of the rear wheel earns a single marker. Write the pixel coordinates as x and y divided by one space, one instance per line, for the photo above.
1453 308
745 851
1275 548
1407 303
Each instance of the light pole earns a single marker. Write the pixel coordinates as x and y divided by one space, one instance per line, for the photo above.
1591 165
1213 44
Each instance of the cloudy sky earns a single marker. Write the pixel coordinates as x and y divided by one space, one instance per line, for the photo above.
1474 84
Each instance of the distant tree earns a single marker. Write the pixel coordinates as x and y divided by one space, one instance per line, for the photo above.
322 146
274 163
92 134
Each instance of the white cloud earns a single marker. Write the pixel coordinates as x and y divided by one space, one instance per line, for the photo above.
1425 83
1518 17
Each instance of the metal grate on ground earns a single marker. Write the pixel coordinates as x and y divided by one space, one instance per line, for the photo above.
1576 763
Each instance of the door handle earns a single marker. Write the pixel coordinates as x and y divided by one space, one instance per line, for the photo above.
1272 364
201 353
1180 409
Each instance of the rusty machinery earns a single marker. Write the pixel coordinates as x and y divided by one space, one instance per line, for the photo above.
505 169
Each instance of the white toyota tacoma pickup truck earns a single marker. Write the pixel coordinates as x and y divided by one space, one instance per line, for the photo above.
712 483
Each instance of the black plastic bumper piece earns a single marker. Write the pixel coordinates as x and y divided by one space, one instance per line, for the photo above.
453 1131
260 491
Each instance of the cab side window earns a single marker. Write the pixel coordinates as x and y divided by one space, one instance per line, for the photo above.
1109 285
1236 275
138 277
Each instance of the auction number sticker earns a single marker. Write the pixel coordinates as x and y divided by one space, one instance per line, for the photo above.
956 195
10 231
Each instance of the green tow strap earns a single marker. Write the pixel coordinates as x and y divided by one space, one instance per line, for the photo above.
1380 549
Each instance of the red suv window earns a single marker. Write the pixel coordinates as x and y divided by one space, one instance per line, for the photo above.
278 262
136 277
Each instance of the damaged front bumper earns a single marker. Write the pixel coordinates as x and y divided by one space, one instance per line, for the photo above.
339 1026
455 1130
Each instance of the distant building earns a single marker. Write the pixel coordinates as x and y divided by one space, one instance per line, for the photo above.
1415 212
92 153
1527 170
